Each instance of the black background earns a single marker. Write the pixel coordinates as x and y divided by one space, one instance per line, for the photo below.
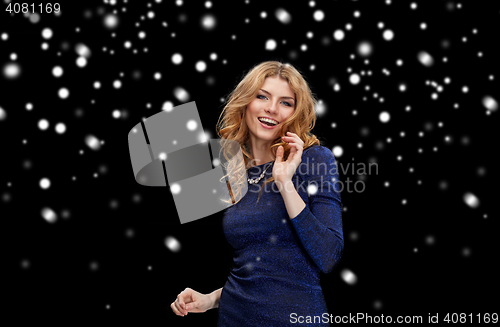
138 277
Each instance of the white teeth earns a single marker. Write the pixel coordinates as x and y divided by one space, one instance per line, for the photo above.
268 120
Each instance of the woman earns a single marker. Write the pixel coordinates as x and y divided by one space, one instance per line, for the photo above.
282 243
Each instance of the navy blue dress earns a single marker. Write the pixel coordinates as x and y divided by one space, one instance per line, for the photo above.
275 277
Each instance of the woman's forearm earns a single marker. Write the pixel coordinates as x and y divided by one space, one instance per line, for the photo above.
293 202
215 296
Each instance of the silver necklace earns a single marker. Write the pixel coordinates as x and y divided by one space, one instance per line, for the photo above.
256 180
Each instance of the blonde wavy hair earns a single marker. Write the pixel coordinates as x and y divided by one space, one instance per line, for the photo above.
232 125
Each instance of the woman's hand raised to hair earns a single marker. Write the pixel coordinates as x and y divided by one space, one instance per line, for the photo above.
284 170
191 301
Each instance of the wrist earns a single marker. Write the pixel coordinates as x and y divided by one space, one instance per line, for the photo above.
213 300
285 186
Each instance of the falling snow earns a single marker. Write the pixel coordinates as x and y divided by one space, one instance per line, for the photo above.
415 95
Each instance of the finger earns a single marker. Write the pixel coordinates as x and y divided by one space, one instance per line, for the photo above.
297 145
192 305
181 300
294 138
180 303
175 310
294 147
297 153
294 135
287 139
187 300
293 150
279 154
181 310
300 148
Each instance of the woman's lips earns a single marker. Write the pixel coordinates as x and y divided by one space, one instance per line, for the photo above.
266 126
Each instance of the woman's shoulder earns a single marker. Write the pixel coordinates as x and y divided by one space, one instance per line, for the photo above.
318 152
317 160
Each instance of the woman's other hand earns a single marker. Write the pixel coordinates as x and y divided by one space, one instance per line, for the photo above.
284 170
191 301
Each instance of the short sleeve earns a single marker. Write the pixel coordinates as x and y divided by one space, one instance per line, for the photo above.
319 224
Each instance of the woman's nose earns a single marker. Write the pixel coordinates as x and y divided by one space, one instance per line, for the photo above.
272 108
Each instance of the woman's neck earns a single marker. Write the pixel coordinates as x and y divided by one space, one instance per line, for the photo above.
260 154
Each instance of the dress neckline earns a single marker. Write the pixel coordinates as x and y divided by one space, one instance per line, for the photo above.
262 164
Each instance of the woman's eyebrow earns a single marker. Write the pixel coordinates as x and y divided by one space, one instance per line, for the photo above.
281 97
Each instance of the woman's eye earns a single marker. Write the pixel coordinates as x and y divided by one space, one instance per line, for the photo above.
260 96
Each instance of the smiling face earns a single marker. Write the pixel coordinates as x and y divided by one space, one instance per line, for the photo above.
274 100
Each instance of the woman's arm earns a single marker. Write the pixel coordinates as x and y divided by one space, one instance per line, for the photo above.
215 297
318 224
